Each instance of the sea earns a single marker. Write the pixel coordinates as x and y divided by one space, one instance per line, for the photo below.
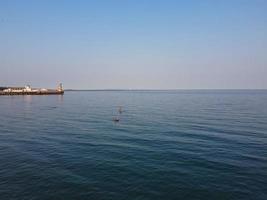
176 144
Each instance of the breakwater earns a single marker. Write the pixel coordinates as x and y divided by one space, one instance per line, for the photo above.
49 92
27 90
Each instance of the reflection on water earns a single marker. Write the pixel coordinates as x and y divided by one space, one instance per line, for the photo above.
60 98
27 98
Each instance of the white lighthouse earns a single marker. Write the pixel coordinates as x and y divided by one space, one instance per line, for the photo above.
60 87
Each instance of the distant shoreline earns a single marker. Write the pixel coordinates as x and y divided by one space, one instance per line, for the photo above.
88 90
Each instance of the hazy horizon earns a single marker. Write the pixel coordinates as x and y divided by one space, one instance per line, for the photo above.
134 44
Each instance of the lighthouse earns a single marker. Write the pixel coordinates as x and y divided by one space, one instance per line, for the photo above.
60 88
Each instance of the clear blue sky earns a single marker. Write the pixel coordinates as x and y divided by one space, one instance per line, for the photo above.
137 44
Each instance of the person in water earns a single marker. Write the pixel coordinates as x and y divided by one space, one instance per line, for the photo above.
116 119
120 109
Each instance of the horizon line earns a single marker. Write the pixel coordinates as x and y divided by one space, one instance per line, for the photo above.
164 89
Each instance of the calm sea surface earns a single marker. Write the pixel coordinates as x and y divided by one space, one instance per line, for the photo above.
167 145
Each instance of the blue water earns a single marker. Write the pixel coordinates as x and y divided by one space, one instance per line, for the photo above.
167 145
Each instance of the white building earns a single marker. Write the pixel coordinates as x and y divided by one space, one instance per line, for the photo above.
27 88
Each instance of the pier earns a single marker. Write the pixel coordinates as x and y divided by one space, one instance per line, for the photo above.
27 90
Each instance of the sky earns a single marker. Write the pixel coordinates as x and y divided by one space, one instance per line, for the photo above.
134 44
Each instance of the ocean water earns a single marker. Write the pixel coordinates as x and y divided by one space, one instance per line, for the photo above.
202 144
